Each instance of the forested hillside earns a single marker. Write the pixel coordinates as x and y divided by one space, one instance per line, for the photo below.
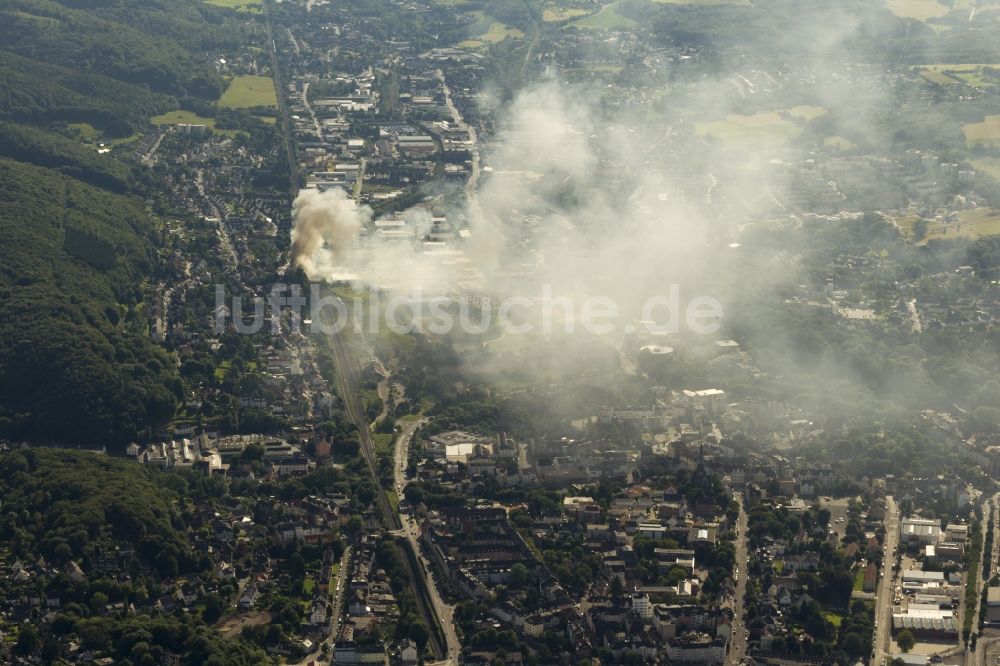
93 503
69 506
77 365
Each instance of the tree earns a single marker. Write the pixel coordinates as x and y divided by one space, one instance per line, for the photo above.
213 609
418 634
905 640
617 588
27 639
354 526
518 576
297 566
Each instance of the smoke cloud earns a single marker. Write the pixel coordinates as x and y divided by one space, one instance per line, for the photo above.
325 226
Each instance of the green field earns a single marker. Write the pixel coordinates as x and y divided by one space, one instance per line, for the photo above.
249 91
499 32
988 165
969 73
86 131
182 117
986 133
606 19
383 443
250 6
496 32
769 128
921 10
972 224
187 117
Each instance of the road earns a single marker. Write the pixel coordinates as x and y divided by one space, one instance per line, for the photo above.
995 554
147 159
309 109
915 323
401 452
739 646
456 116
883 600
336 612
989 504
283 116
411 531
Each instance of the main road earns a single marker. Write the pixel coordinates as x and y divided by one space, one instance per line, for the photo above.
411 531
739 647
884 596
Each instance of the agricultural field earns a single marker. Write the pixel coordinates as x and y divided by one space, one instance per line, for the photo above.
249 91
986 133
495 33
988 165
938 77
762 128
972 74
249 6
499 32
606 19
921 10
971 224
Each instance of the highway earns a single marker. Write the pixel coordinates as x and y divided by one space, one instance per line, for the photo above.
884 595
739 647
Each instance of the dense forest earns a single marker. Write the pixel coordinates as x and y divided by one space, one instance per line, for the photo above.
76 364
93 503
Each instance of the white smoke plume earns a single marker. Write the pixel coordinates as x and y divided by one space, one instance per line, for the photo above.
324 228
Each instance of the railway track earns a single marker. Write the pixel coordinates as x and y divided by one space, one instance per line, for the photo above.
418 578
347 381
